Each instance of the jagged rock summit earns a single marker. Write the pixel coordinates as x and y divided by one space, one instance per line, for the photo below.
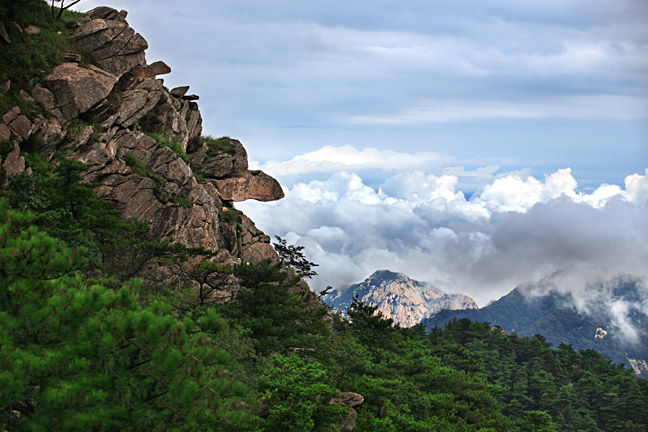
406 301
142 144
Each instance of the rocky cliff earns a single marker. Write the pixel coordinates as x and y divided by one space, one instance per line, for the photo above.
406 301
142 143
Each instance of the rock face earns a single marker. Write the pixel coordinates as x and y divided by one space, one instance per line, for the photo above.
351 400
154 69
71 90
406 301
114 45
639 366
141 143
250 185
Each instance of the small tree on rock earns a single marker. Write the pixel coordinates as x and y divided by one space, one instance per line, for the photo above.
293 258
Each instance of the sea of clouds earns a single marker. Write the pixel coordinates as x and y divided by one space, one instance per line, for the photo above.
473 231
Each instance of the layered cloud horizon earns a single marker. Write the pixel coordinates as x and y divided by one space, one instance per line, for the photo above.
476 231
492 142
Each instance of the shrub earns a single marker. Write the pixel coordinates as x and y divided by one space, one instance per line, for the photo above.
218 146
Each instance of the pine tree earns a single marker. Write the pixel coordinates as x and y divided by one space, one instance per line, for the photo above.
75 356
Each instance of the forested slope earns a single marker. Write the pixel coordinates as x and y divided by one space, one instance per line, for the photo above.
137 318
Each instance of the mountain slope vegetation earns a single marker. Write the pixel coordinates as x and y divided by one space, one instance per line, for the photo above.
114 322
554 315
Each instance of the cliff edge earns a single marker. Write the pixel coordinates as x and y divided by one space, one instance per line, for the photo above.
142 143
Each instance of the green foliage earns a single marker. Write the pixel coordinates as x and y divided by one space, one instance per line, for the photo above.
293 258
6 148
218 146
574 390
91 354
31 56
406 387
209 277
296 394
182 201
67 208
164 141
275 316
231 216
75 356
140 168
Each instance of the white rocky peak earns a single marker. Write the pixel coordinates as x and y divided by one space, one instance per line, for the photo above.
399 297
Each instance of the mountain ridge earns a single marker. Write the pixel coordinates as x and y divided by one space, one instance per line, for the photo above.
536 309
396 296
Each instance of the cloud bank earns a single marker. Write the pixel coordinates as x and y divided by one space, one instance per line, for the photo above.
540 81
512 228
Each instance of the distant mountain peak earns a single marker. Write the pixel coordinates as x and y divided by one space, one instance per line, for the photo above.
387 274
397 296
541 308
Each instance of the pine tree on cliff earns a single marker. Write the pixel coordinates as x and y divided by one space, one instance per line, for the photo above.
75 356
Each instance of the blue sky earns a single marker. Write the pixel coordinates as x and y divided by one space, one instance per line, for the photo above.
439 125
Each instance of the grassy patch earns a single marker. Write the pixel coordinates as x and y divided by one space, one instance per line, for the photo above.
229 216
32 57
140 168
6 148
182 201
218 146
200 177
164 141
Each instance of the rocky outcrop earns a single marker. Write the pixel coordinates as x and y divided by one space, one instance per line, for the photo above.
226 157
142 144
71 90
15 128
406 301
247 185
639 366
114 45
351 400
152 70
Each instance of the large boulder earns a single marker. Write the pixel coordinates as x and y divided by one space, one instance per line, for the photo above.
348 399
247 185
113 44
21 127
5 133
107 13
71 90
154 69
220 158
13 162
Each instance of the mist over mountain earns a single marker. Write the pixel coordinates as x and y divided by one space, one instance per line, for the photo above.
608 316
398 297
135 295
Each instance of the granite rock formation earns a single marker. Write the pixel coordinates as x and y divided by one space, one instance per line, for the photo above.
142 143
406 301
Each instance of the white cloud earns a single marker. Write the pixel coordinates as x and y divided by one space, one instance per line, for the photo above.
512 193
516 228
637 188
335 158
